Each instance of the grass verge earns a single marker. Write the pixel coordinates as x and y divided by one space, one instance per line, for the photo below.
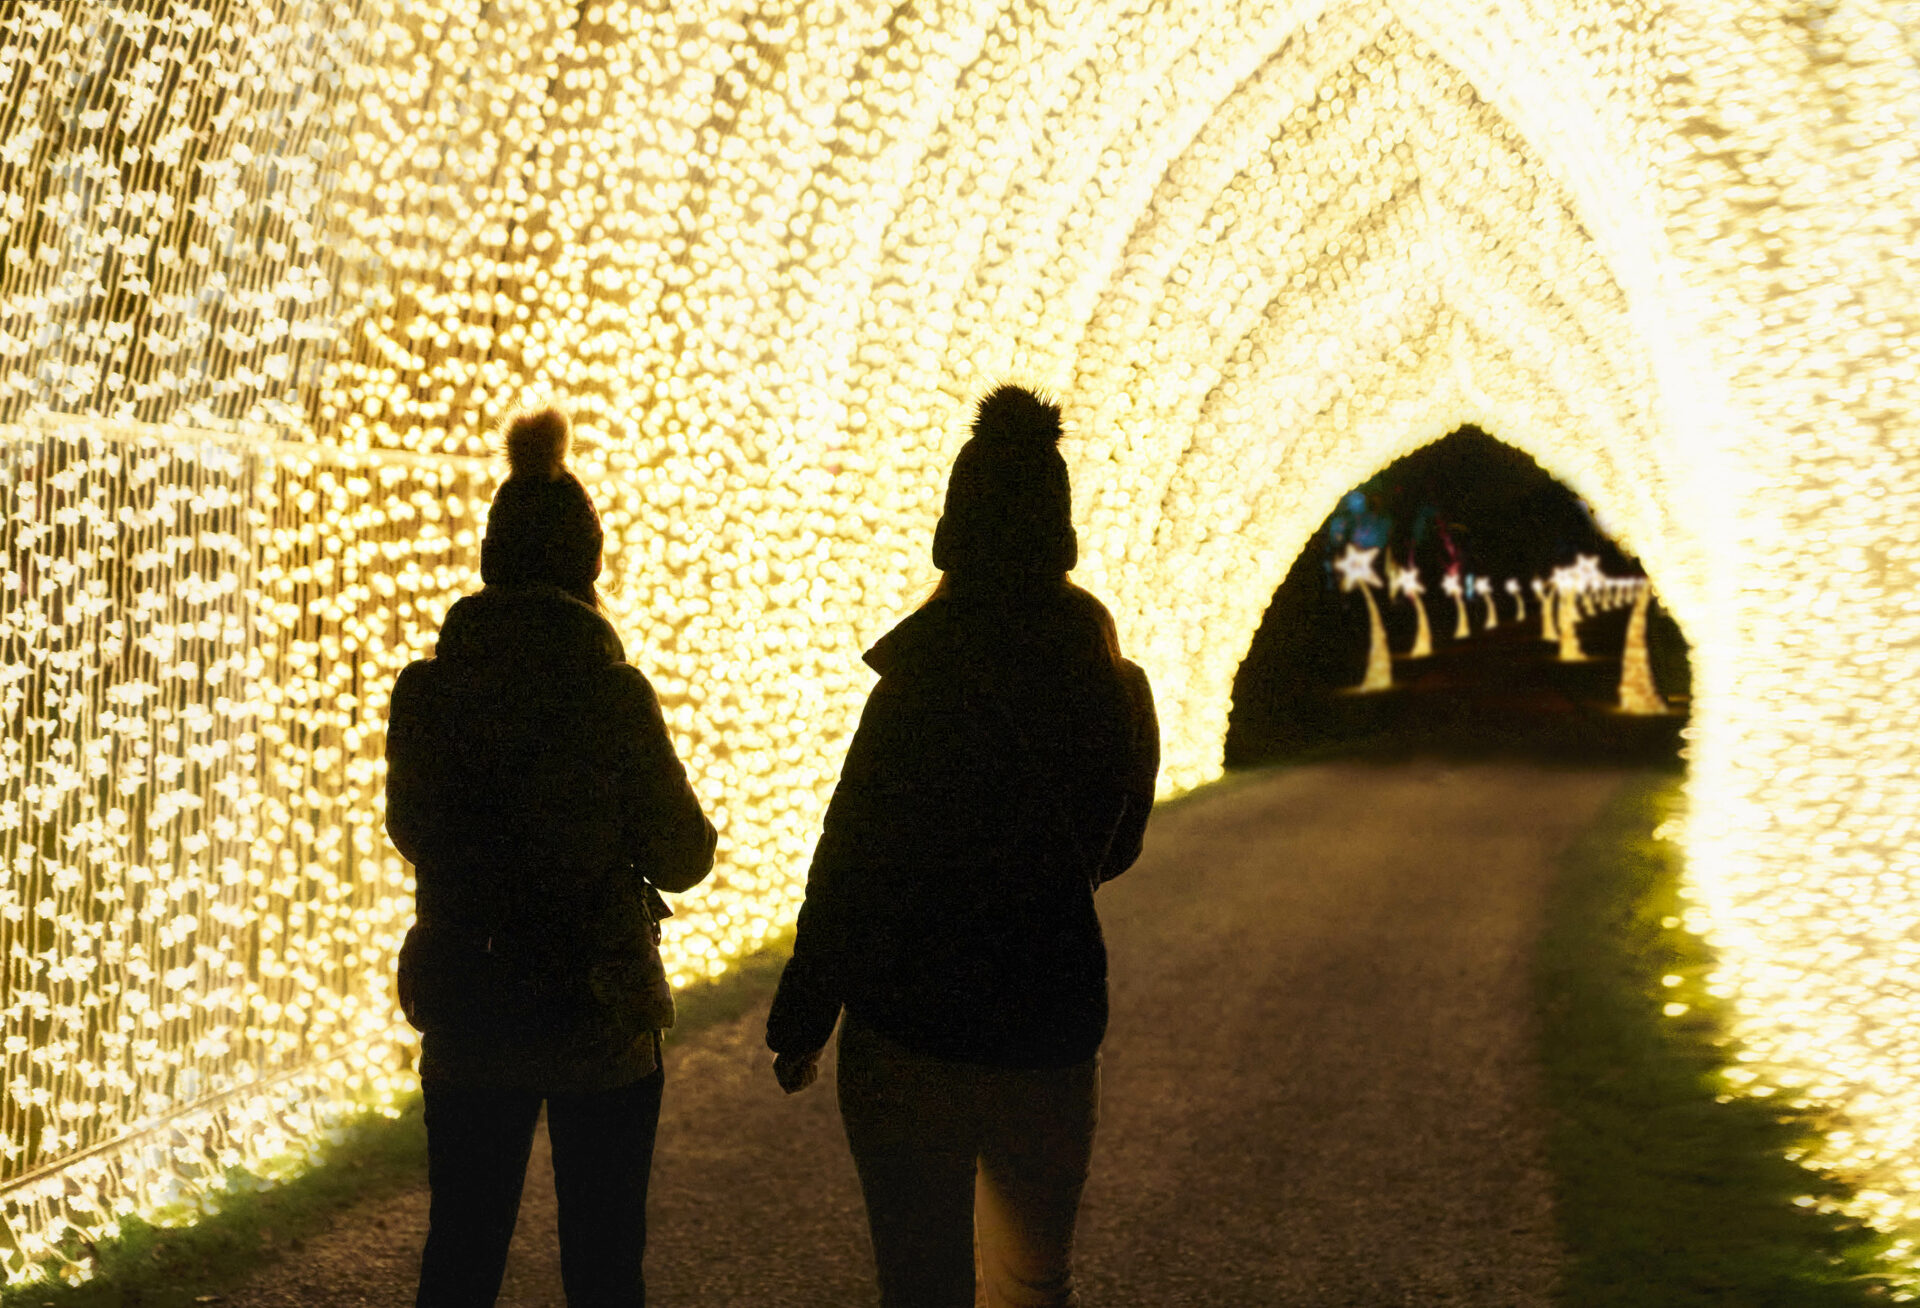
1672 1191
149 1266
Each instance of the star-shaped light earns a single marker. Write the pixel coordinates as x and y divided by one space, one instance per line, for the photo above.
1513 587
1451 585
1356 568
1406 581
1586 572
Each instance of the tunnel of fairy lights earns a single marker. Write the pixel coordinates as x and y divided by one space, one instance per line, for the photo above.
270 271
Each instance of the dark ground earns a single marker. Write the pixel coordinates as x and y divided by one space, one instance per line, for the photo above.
1320 1085
1498 694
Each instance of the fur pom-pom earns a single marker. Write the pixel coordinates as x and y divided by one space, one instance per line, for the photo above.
1016 415
537 444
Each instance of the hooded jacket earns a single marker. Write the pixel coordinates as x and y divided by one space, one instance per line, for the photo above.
1003 768
532 783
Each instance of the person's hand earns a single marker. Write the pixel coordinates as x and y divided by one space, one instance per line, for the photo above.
795 1072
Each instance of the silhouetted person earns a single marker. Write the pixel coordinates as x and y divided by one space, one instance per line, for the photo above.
531 782
1002 770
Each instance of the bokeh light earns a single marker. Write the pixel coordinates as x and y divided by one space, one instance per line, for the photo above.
269 269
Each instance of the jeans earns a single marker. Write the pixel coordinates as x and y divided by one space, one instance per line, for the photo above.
478 1142
948 1152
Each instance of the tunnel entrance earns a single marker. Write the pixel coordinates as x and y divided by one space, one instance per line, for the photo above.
1490 675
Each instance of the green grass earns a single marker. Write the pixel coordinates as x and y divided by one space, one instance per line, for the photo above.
1672 1191
148 1266
745 983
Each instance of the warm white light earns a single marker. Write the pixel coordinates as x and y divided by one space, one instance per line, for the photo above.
1567 620
1456 588
1585 575
1406 581
1355 567
1548 593
1637 692
280 262
1356 570
1519 599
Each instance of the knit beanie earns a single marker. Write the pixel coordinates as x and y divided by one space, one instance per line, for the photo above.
1009 507
542 529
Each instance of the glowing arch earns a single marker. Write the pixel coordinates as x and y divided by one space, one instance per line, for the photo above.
268 270
1204 264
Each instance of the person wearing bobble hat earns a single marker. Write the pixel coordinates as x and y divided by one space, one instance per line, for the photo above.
532 784
1002 770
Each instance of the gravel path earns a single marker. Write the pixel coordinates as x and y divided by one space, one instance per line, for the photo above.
1319 1087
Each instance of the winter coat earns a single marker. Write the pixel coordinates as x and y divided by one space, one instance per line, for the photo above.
1003 768
531 782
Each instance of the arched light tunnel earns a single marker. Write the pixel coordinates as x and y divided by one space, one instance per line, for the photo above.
271 271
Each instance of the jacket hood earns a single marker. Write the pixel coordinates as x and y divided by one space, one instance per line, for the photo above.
1059 631
541 627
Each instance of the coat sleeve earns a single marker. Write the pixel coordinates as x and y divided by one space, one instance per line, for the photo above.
807 1003
1140 775
667 834
412 806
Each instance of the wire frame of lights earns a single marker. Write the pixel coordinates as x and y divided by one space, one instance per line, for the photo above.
268 271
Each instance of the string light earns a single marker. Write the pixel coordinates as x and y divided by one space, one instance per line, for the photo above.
1638 694
269 269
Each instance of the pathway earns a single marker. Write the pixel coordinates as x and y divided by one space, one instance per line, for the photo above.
1319 1088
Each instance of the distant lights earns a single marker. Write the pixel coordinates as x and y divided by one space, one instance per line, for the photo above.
1455 585
1519 599
1406 581
1356 570
285 262
1355 567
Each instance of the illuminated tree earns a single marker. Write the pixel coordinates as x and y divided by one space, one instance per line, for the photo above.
1355 567
1406 581
1567 592
1637 692
1548 598
1456 588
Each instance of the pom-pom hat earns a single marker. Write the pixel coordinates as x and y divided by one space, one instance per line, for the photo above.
542 529
1009 505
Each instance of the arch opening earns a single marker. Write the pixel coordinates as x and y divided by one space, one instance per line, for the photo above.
1461 541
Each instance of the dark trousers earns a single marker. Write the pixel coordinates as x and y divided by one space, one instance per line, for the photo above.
958 1161
478 1142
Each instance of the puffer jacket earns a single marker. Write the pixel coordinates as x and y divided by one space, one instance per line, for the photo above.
531 782
1003 768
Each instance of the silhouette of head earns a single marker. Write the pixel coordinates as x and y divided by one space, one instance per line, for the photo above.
542 529
1009 510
